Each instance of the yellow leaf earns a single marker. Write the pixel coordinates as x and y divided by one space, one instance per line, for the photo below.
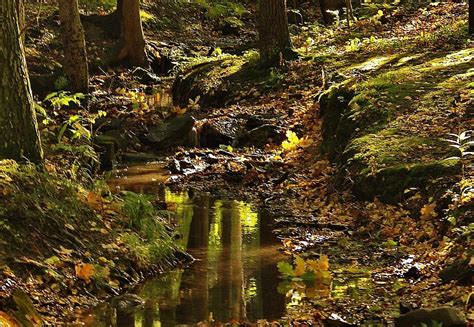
300 266
428 211
178 110
84 271
313 265
324 262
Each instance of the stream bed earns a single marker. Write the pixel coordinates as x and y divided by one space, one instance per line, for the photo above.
234 279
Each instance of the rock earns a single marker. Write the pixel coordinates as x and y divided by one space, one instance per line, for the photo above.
459 271
193 139
145 76
259 136
448 316
109 123
220 131
294 17
139 157
127 303
112 143
171 132
231 26
159 56
214 82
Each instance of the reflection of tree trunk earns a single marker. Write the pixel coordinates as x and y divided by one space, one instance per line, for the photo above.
221 297
150 313
125 319
273 303
237 268
199 233
197 309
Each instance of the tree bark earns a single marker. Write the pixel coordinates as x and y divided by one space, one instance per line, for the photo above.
131 45
75 54
19 137
20 9
471 17
274 37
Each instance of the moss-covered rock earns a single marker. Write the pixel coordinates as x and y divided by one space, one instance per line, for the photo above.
334 106
221 82
390 183
380 129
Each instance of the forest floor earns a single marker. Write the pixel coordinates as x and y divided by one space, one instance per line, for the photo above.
346 146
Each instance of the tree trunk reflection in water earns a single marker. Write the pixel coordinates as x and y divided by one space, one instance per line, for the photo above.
234 277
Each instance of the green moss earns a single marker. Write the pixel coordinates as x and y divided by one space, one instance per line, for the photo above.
388 148
390 183
218 81
384 137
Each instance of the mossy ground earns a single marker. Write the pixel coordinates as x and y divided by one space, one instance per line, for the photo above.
50 227
387 128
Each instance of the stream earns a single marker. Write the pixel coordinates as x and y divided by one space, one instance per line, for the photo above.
234 277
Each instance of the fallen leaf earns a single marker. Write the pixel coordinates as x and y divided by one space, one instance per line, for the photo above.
84 271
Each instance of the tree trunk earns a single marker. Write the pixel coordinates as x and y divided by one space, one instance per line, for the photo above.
19 138
75 55
20 9
274 37
131 45
471 17
349 12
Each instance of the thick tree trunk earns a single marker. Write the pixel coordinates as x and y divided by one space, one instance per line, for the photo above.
471 17
75 55
274 37
19 137
131 45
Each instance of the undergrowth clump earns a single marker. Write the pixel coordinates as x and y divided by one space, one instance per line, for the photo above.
153 242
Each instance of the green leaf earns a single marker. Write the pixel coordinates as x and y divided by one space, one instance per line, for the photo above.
309 276
286 269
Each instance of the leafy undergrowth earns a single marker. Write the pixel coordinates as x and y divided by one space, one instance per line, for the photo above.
66 246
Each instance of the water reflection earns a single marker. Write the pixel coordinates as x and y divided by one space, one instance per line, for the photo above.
235 276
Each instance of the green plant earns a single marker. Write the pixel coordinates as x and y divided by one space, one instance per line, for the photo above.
464 143
80 127
155 242
142 215
61 83
63 98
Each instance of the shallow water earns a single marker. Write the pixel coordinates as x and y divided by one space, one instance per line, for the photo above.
234 278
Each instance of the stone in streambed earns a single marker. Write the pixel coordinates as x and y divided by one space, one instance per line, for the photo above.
448 316
171 132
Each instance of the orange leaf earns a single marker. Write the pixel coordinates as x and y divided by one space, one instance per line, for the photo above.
84 271
428 211
8 321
